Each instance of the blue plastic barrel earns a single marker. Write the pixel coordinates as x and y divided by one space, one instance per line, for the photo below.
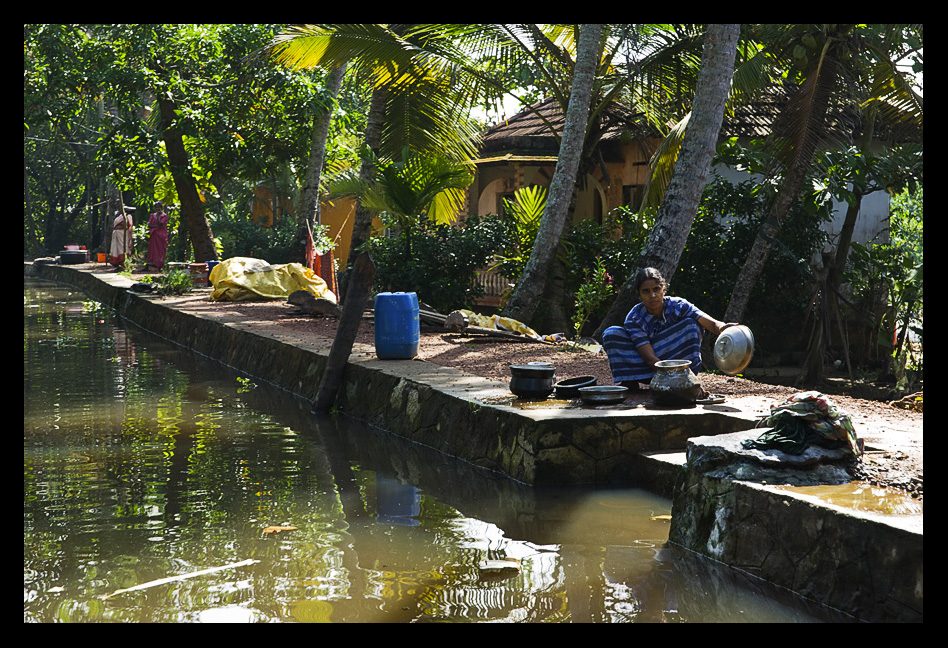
397 326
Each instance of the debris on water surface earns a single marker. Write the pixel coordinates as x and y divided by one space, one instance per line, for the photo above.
278 529
499 569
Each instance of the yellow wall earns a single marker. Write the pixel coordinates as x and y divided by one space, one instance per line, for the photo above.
339 215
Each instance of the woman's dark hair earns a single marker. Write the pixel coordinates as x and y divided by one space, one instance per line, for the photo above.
644 274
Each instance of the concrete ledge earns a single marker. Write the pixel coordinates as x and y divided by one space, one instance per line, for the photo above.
456 413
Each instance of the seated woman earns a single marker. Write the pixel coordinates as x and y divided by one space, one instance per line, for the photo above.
658 328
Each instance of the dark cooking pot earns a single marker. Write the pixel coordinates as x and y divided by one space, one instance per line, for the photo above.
73 257
569 388
532 380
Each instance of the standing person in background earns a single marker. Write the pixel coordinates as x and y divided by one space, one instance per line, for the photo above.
122 237
157 238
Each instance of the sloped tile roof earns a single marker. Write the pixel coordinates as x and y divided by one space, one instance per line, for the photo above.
526 133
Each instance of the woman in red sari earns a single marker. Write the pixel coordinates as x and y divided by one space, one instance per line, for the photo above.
157 238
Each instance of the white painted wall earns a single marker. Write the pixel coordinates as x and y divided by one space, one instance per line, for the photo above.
873 218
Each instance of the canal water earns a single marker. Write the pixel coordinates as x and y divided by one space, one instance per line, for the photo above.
144 463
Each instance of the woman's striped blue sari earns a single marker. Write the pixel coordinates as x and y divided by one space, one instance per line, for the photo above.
674 335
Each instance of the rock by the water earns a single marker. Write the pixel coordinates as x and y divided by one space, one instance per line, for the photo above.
725 455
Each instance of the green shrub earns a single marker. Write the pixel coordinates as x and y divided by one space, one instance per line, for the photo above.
443 262
176 282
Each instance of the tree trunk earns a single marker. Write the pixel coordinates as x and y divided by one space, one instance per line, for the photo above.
526 296
310 204
192 209
363 274
356 285
815 101
757 256
667 239
362 223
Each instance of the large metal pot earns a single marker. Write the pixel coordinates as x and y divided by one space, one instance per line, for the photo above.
603 394
532 380
674 385
734 349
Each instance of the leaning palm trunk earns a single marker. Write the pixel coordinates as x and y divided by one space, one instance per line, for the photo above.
667 239
760 250
361 277
523 303
812 101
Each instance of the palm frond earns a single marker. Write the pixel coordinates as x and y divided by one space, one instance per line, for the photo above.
328 45
894 96
663 164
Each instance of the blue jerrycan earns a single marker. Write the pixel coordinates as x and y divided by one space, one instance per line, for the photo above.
397 325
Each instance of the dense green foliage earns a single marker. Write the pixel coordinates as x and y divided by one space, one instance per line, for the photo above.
90 121
443 263
92 133
895 268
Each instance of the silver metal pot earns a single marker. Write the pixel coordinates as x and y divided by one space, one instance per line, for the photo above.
674 385
603 394
734 349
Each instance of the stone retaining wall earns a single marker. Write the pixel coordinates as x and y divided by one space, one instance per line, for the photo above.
435 406
865 564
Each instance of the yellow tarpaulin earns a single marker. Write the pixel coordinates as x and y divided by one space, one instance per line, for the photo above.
247 279
500 323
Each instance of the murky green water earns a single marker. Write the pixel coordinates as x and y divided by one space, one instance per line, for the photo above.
142 462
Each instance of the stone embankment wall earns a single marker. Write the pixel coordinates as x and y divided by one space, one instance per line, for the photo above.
435 406
865 564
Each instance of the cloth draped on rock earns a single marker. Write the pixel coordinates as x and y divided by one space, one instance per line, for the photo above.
674 335
122 239
157 239
804 419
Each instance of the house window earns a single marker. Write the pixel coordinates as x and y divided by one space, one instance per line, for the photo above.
632 196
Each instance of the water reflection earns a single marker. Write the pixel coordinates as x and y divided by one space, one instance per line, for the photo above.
142 462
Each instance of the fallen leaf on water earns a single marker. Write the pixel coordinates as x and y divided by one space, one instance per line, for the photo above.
660 517
278 529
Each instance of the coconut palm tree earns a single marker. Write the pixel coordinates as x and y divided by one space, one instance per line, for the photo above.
526 295
416 101
421 95
823 57
668 236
